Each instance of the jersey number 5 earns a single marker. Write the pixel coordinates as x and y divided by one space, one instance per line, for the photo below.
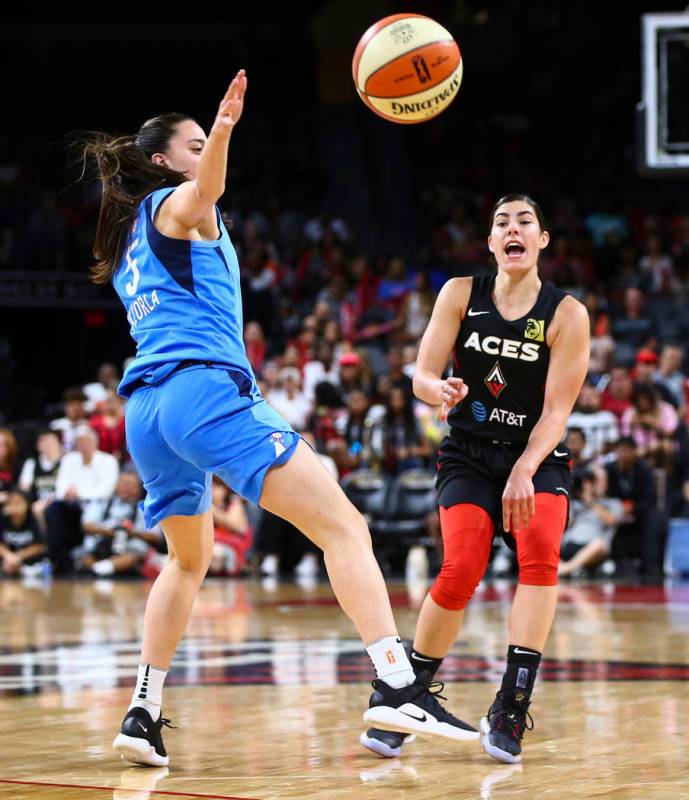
132 285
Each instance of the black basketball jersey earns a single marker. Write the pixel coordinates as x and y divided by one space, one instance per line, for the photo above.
504 364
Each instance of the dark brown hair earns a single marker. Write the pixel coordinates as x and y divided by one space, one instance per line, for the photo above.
124 167
524 198
9 462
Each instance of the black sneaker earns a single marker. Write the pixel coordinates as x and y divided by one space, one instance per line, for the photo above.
415 709
139 739
503 727
387 744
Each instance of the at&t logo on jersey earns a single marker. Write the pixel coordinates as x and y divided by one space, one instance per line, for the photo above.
505 348
505 417
479 411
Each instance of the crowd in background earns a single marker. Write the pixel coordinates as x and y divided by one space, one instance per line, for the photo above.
332 336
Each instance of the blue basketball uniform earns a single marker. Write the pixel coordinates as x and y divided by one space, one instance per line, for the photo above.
194 408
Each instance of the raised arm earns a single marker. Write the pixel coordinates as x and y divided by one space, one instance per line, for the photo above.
436 347
192 201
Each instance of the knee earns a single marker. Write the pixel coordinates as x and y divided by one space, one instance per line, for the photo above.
350 528
467 535
192 565
456 583
538 545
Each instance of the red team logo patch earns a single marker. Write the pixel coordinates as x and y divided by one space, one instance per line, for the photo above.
495 381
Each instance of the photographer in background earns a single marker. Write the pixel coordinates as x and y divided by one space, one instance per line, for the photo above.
593 522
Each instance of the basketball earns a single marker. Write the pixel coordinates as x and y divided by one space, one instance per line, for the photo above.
407 68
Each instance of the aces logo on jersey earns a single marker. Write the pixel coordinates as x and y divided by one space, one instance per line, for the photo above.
495 381
534 329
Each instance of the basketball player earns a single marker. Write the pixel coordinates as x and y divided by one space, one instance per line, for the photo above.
520 352
194 410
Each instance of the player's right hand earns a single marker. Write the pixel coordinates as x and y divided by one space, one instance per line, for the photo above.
452 392
232 105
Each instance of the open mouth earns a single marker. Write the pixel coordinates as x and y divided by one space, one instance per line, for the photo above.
514 250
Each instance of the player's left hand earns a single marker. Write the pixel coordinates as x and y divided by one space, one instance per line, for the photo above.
518 502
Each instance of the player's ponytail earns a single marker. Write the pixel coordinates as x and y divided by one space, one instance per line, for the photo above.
127 174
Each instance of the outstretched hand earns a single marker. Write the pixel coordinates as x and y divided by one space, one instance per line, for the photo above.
232 104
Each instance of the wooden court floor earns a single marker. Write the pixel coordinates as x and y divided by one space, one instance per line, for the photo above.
270 684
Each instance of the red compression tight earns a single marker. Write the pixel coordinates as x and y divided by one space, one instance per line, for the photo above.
467 531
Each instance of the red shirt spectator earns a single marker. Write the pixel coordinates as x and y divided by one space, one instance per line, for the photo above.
109 425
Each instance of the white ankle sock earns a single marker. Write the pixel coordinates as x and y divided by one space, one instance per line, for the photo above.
390 662
148 693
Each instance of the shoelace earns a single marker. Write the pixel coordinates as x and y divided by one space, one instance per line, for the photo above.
522 721
167 723
435 690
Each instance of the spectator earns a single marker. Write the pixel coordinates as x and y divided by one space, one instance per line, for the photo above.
38 477
602 346
86 480
117 540
670 375
255 344
109 425
657 266
96 393
289 401
640 539
354 451
232 532
320 368
322 424
617 395
632 328
575 442
396 372
74 401
592 524
21 543
599 427
651 422
8 462
417 308
644 374
400 442
351 374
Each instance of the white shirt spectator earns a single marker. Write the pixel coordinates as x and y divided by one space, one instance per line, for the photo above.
96 393
600 429
94 482
69 431
314 373
295 409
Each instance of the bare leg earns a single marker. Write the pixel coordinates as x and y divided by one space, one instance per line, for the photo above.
592 553
531 615
437 629
305 494
190 547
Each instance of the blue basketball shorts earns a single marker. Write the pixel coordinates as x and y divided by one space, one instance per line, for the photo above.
199 422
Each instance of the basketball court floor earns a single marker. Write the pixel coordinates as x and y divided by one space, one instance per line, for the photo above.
269 686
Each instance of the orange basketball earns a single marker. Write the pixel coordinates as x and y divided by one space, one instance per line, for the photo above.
407 68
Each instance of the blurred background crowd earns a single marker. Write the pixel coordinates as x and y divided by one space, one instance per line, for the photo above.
346 227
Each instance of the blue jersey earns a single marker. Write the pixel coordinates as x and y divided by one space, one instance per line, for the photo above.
182 297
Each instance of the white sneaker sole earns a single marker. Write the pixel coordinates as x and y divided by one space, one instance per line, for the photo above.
492 750
382 749
138 751
391 719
